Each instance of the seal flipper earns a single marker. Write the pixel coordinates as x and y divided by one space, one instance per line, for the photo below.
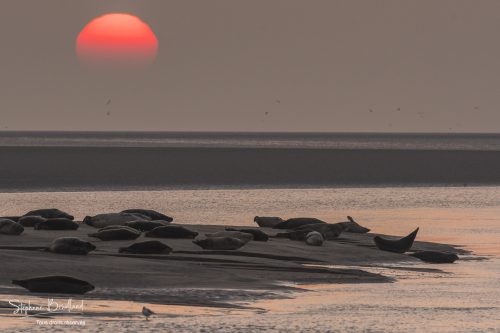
399 246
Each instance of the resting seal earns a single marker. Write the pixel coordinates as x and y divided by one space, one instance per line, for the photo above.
297 222
258 235
243 236
9 227
55 284
435 257
51 213
147 247
116 234
354 227
171 231
57 224
153 215
146 225
314 238
104 220
71 245
109 227
298 235
329 231
398 245
219 243
31 221
267 221
12 218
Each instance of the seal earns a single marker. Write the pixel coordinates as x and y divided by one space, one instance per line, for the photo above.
258 235
104 220
219 243
110 227
353 227
147 247
9 227
50 213
171 231
297 222
152 214
12 218
329 231
397 245
267 221
298 235
55 284
57 224
435 257
243 236
314 238
71 245
146 225
116 234
31 220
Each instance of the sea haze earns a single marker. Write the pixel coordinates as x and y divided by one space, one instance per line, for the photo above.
51 161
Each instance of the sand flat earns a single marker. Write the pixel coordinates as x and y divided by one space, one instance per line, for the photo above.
160 278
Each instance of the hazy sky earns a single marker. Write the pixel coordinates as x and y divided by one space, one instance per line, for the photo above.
312 65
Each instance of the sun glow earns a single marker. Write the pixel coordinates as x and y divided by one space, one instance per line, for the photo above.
117 39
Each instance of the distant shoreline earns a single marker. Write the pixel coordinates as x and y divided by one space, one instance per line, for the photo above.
101 168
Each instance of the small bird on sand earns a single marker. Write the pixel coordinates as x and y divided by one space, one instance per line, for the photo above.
147 312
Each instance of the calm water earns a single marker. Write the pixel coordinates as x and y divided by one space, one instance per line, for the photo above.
468 300
433 141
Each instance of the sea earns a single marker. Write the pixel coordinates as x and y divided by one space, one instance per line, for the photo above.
460 297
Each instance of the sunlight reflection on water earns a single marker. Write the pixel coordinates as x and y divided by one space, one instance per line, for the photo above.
464 301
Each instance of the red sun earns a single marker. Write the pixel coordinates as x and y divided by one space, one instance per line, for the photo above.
117 39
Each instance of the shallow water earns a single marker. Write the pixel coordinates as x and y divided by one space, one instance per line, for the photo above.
433 141
465 297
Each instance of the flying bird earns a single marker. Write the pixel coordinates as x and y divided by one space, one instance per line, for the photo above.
147 312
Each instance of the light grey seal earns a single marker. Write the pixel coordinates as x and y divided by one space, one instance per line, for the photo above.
116 234
50 213
297 222
314 238
9 227
30 220
243 236
267 221
71 245
147 247
104 220
152 214
55 284
219 243
171 231
57 224
396 245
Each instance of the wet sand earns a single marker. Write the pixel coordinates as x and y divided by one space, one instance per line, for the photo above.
258 270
